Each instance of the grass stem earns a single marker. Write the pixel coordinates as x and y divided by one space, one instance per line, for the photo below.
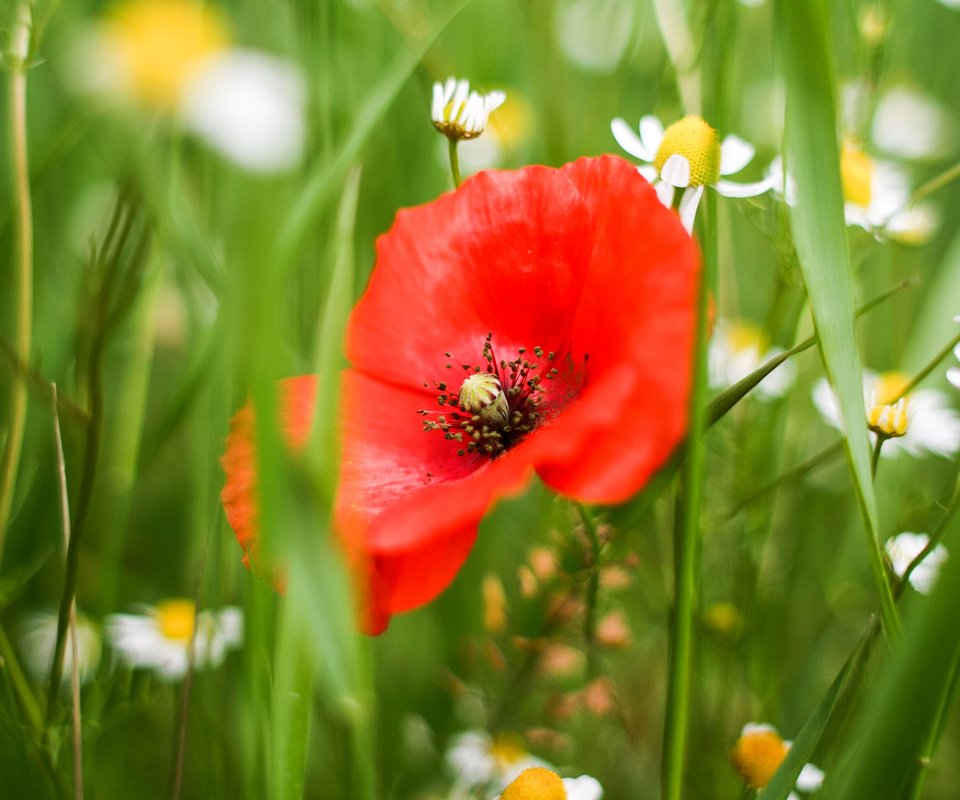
23 293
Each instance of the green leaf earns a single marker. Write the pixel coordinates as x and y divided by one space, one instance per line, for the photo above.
905 700
813 159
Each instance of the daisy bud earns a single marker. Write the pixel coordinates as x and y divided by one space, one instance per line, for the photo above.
482 394
538 783
758 754
888 421
458 113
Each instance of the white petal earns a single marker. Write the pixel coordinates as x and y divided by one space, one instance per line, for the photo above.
651 134
628 140
665 193
810 778
735 154
649 172
689 203
583 788
436 107
757 727
909 124
493 101
250 107
953 375
731 189
676 171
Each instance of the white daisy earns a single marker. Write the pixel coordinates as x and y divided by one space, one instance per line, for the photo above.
478 759
758 754
904 548
737 349
934 427
539 783
459 113
160 638
909 124
38 638
876 197
689 156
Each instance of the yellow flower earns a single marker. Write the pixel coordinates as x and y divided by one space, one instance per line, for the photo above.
158 46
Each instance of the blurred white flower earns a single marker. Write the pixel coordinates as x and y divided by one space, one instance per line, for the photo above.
38 638
934 427
478 759
904 548
911 125
738 348
459 113
160 638
539 782
950 3
689 156
250 107
594 34
953 373
876 197
760 751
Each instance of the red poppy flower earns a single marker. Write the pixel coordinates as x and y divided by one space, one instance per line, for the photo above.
532 321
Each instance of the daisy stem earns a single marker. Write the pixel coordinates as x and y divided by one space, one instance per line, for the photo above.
454 162
875 457
23 292
593 585
687 533
935 184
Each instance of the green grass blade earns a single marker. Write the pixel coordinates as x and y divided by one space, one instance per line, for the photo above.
813 159
906 698
327 176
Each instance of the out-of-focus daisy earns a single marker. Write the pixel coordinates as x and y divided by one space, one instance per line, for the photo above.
38 638
903 548
933 426
689 156
738 348
459 113
478 759
175 56
539 783
950 3
953 373
876 197
760 751
160 638
909 124
594 34
150 50
249 106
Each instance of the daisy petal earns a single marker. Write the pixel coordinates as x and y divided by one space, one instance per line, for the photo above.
731 189
810 778
688 206
649 172
651 134
735 154
628 140
665 193
676 171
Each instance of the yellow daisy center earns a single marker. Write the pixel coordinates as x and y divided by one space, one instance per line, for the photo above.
757 755
697 142
856 174
160 45
744 335
176 619
536 783
507 749
887 420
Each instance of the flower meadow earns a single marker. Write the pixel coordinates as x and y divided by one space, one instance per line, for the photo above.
462 400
